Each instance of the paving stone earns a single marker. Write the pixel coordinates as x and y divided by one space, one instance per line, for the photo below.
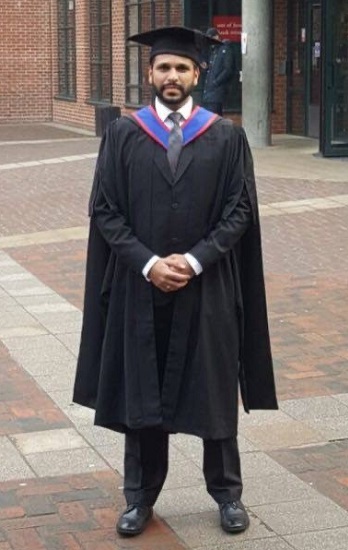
56 381
282 435
330 427
16 316
314 408
17 289
343 398
58 307
184 474
61 322
7 303
16 322
330 539
48 301
38 505
301 516
280 488
19 276
259 418
34 330
80 416
70 462
40 345
7 262
260 465
113 456
191 447
8 499
12 465
97 436
48 440
259 544
82 494
71 341
245 446
41 367
204 529
25 539
183 501
62 398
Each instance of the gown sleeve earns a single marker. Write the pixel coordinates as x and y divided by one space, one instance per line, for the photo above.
108 204
239 210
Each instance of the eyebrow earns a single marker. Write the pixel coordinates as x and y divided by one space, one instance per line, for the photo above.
164 65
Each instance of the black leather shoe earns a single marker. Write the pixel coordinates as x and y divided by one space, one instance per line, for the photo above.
134 520
234 517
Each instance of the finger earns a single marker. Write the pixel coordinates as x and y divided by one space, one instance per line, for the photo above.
173 287
175 277
173 264
177 266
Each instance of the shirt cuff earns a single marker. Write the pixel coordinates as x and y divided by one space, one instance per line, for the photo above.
148 266
196 266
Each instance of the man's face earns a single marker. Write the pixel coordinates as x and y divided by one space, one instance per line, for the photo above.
173 77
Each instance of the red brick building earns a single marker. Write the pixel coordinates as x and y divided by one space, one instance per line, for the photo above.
60 59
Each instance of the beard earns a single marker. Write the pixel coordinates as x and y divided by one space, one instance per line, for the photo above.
175 100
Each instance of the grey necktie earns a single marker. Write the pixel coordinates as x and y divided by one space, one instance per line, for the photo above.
175 141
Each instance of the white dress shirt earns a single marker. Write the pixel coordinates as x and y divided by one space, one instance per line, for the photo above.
163 112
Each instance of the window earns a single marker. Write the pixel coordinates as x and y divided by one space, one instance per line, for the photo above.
100 51
66 49
225 15
141 16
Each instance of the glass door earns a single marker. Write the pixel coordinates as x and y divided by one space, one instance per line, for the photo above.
314 55
334 141
224 15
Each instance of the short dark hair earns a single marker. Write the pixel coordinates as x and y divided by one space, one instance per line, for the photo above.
212 32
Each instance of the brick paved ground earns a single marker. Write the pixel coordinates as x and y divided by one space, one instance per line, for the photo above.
23 405
35 132
60 484
71 513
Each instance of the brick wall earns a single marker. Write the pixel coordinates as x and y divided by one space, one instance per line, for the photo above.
74 113
81 112
29 61
25 61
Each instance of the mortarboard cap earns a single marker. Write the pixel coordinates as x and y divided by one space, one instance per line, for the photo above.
175 40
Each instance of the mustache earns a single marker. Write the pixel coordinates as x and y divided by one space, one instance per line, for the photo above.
176 86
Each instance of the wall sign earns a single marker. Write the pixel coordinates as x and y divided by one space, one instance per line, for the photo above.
229 26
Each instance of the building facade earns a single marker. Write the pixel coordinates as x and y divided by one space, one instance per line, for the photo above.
61 60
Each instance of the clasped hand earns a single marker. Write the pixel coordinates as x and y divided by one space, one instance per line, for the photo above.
171 273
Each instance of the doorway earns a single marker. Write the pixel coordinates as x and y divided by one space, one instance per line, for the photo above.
314 65
334 139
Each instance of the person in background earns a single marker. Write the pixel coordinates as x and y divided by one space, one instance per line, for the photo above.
220 67
175 316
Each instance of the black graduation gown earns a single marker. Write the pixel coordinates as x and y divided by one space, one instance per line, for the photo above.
219 327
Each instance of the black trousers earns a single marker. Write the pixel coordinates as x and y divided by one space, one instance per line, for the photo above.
146 467
146 451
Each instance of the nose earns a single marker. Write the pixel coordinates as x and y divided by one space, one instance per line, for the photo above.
173 75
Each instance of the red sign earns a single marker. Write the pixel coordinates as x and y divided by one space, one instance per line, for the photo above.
229 27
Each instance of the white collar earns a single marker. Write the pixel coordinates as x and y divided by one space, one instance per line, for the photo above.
163 111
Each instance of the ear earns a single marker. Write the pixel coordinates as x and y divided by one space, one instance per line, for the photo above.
196 76
149 76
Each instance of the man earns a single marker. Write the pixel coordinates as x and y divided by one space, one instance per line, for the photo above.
220 68
175 310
